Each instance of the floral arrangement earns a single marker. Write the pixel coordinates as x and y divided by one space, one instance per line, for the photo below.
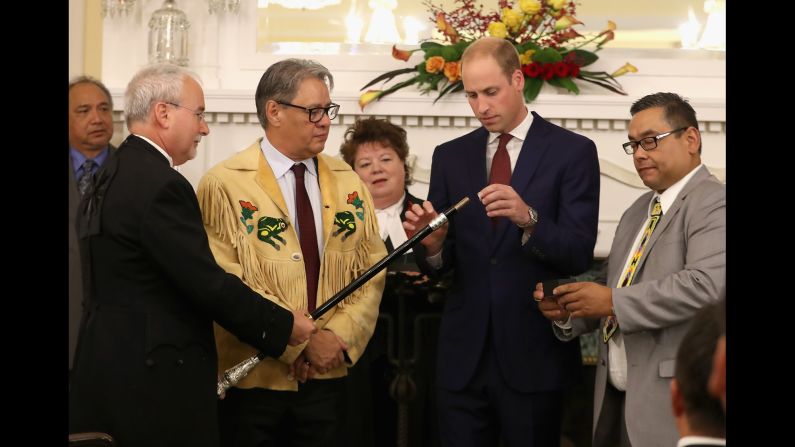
550 50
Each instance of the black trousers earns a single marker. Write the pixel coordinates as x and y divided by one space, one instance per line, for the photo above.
260 418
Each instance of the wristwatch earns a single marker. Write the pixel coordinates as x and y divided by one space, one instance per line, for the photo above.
533 219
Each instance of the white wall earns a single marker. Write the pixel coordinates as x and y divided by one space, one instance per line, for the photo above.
76 36
222 51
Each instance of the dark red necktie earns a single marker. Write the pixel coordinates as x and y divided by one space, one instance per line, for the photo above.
308 237
500 167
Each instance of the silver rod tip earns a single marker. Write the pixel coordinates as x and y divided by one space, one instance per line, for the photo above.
461 203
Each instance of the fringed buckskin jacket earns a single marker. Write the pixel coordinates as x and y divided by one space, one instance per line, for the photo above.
252 236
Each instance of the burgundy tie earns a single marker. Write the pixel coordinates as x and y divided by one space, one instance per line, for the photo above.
501 167
307 235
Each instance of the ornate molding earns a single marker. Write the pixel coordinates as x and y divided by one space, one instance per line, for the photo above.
422 174
574 124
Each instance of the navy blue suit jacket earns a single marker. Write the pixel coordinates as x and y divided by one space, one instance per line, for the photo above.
557 173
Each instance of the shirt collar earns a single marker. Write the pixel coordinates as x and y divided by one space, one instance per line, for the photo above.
669 195
78 158
159 149
520 132
281 163
395 208
698 440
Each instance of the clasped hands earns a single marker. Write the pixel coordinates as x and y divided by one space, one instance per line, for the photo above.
323 353
577 299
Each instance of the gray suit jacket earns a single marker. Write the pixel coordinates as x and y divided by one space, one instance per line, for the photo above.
75 271
682 270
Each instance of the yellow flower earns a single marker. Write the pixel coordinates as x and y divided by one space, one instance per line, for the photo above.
557 4
368 97
526 57
511 19
452 70
530 7
434 64
566 22
627 68
607 33
498 29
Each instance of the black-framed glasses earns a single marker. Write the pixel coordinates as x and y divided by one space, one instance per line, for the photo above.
199 114
316 113
648 143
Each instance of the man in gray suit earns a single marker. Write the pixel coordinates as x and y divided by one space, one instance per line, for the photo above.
90 131
661 270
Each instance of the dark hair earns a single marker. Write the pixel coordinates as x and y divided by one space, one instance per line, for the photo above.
677 111
94 81
281 80
693 367
372 130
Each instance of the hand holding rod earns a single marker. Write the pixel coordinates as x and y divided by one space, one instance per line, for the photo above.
236 373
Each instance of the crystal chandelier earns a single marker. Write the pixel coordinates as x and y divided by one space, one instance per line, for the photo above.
117 7
223 6
300 4
168 35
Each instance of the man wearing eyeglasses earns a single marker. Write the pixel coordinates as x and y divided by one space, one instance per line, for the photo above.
145 368
297 225
667 261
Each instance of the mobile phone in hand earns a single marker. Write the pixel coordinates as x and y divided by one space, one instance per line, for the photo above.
550 285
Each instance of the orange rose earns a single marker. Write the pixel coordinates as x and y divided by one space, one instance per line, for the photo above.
434 64
452 71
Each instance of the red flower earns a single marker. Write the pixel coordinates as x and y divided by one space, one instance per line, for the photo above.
561 69
352 197
549 71
248 205
574 70
532 70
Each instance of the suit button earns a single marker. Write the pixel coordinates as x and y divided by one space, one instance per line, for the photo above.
149 362
493 261
180 362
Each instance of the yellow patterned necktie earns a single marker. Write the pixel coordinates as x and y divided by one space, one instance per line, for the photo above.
611 324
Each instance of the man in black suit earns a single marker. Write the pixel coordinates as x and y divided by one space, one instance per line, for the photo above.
146 366
90 131
700 417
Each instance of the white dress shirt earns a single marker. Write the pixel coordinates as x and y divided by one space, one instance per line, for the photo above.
389 223
700 440
280 165
159 149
